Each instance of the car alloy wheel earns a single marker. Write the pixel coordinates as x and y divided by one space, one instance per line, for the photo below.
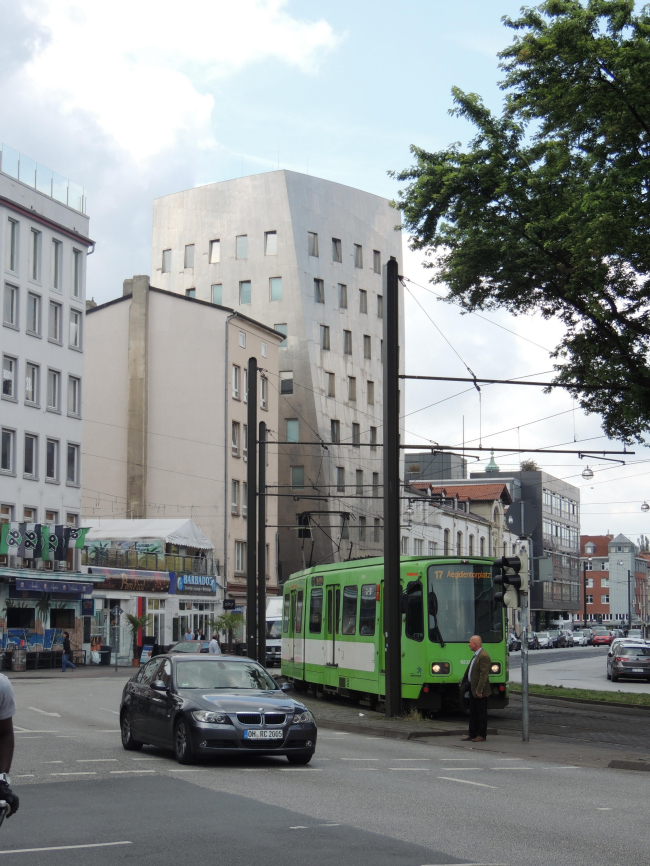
128 742
182 743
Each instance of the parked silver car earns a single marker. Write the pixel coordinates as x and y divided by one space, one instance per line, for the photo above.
545 640
580 638
631 660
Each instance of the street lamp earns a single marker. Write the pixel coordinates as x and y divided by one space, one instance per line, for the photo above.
587 474
645 507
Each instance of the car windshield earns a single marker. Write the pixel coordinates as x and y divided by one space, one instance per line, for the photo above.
273 628
185 647
208 674
461 604
600 631
635 651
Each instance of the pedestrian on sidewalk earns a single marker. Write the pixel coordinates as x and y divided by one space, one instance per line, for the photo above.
476 682
214 648
7 712
66 658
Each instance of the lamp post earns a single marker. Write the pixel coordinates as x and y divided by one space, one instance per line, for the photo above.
629 601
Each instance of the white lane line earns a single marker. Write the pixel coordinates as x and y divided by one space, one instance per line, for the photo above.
467 864
412 759
568 768
110 711
44 712
299 827
329 825
410 769
461 759
97 760
603 808
64 847
300 770
26 776
510 769
31 738
146 759
359 759
107 731
467 782
51 762
255 769
84 773
459 769
177 770
115 772
27 731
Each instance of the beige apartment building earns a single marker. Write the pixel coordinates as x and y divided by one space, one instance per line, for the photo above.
166 418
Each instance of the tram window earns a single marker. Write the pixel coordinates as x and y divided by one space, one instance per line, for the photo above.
414 619
368 609
298 628
316 611
285 617
349 624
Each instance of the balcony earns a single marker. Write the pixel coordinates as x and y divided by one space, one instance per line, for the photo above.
133 559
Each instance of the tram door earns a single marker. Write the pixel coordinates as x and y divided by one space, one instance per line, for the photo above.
297 632
332 624
382 632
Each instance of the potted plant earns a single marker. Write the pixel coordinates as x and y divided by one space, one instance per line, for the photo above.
134 624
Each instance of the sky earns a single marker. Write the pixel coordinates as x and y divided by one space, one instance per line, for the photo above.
138 99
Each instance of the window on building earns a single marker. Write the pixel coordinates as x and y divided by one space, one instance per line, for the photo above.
297 476
286 382
312 244
358 478
347 342
371 393
447 546
319 292
340 479
245 292
33 314
166 261
77 273
190 293
337 255
240 556
270 243
358 256
380 306
481 546
234 497
404 546
217 294
53 390
367 347
604 599
590 599
362 528
12 245
242 339
363 301
9 369
335 430
324 336
471 545
375 484
57 262
10 306
275 288
459 543
236 380
343 296
345 528
376 261
293 433
7 450
6 513
35 255
31 455
604 582
356 434
52 460
264 393
244 443
373 438
72 469
54 325
74 396
215 252
244 499
76 320
418 547
32 384
242 246
282 328
376 535
234 439
352 387
590 582
431 548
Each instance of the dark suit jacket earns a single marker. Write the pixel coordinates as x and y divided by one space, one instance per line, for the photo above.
480 675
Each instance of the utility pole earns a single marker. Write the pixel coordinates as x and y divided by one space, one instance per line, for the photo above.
251 516
525 610
584 592
629 601
392 587
261 550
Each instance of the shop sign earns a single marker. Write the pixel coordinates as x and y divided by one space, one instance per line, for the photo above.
88 607
131 580
194 584
53 586
229 604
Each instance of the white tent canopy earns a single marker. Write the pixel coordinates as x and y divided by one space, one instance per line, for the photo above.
181 532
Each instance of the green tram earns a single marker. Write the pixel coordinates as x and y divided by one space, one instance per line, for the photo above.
332 628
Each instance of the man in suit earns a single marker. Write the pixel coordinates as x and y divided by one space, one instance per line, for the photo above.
477 681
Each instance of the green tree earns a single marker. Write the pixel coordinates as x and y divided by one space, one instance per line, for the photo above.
134 624
529 466
228 622
548 210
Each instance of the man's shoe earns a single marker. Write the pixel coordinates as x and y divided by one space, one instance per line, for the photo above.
466 738
478 740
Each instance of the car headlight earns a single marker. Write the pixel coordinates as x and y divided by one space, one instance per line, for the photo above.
211 718
303 717
495 668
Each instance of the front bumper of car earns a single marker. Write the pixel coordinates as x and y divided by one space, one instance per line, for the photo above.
215 739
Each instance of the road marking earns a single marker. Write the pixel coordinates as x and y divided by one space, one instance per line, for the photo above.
51 762
31 738
26 776
80 773
299 828
107 731
115 772
96 760
44 712
359 759
603 808
569 768
329 825
459 769
146 759
463 759
176 770
300 770
28 731
110 711
410 769
467 782
64 847
511 768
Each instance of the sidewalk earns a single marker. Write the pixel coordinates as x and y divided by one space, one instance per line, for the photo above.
82 671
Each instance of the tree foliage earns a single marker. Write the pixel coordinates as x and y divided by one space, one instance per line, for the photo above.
548 210
529 466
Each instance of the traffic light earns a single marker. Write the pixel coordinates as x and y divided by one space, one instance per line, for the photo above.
510 575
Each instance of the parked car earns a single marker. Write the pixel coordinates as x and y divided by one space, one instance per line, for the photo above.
617 632
544 639
191 646
635 634
514 643
533 641
568 636
581 638
602 637
619 641
214 705
559 638
631 660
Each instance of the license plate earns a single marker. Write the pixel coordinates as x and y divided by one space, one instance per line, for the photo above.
638 670
263 735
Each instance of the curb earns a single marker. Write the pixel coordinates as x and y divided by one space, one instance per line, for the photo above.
391 733
586 701
629 765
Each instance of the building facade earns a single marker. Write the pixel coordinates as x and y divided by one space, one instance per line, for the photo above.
166 418
306 257
615 580
425 466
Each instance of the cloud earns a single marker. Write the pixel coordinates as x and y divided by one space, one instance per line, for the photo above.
144 70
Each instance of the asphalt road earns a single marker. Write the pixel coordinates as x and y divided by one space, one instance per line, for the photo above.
362 800
549 656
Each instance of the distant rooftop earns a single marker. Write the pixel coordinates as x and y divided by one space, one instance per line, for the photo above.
42 179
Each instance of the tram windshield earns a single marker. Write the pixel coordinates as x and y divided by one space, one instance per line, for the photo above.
461 604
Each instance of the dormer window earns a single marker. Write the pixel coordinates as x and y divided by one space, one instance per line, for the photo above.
590 548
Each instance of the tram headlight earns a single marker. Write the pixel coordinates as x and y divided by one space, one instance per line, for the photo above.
440 669
495 668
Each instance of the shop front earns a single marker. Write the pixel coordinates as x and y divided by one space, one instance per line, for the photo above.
193 604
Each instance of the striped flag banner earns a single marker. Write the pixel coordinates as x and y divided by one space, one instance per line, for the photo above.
40 540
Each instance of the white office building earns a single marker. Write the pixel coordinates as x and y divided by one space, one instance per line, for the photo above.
43 247
305 256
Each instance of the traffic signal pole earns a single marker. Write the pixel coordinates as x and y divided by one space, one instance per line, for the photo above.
525 714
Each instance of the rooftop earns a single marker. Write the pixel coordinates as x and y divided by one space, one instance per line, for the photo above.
44 180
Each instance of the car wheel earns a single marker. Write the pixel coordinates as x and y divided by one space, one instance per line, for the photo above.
609 676
614 679
303 758
128 742
183 743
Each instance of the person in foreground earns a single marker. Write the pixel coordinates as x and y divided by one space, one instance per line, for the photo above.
476 681
7 712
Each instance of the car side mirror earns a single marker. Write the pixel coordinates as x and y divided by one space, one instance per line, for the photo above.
286 687
159 686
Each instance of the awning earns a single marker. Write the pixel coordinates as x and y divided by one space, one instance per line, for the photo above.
50 576
181 532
